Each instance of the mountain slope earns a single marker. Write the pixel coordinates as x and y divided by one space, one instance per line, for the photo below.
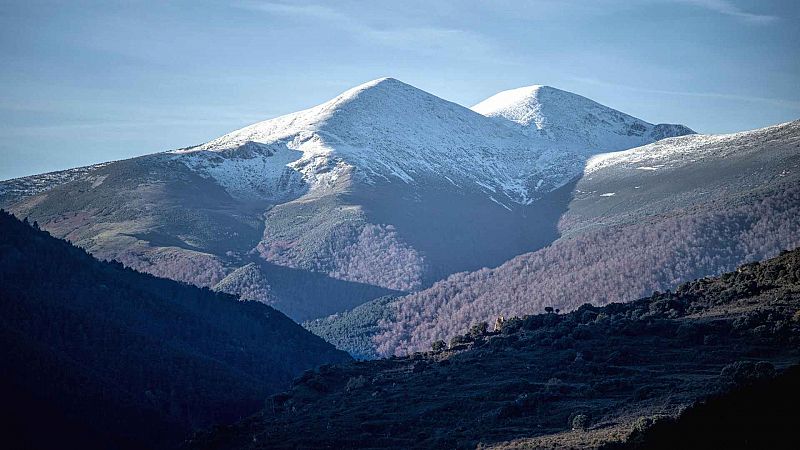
712 203
381 190
578 380
102 356
625 186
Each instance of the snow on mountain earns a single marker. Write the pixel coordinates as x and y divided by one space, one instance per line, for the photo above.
685 150
570 128
563 116
249 170
387 131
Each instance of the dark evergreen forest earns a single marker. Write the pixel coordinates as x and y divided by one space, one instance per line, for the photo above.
97 355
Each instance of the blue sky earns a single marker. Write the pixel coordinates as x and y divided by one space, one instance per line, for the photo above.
85 82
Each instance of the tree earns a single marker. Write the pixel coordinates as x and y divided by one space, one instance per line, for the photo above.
459 340
479 329
438 345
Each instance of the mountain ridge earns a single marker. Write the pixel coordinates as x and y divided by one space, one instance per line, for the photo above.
350 128
386 188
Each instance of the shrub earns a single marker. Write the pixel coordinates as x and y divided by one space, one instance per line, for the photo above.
524 404
513 324
747 372
355 383
553 386
459 340
479 329
642 424
438 346
580 422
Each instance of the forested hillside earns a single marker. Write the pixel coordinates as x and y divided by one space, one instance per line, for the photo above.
593 377
600 266
96 355
638 221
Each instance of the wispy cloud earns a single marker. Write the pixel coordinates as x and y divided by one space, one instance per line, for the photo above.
727 8
724 96
462 43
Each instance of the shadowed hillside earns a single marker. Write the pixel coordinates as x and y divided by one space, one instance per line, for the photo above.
100 356
760 414
577 380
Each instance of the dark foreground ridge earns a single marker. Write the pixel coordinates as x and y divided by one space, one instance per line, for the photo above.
599 376
95 355
759 414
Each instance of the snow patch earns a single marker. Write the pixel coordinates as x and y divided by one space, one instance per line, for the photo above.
677 151
499 203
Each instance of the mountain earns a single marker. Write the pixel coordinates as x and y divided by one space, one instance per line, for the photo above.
639 220
96 355
570 128
383 130
383 190
562 116
588 379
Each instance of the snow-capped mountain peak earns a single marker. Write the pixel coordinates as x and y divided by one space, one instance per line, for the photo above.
534 139
520 105
560 114
386 130
376 107
569 127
